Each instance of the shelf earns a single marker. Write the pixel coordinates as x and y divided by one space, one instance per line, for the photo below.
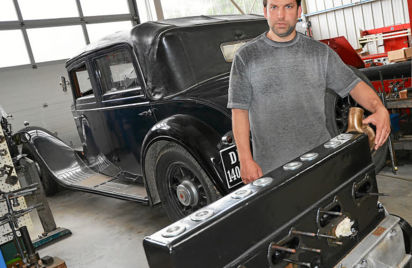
399 103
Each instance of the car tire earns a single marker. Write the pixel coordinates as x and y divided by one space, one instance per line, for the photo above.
177 171
337 111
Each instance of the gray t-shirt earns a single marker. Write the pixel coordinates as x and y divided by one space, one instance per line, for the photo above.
283 84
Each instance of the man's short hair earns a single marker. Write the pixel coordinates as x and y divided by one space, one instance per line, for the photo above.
265 2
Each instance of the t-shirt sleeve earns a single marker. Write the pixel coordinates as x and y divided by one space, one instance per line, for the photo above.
240 89
339 77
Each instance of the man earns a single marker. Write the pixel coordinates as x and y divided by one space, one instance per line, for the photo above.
277 90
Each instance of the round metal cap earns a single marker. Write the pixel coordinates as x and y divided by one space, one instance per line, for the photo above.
262 182
344 136
174 230
292 165
332 144
239 194
187 194
202 215
309 156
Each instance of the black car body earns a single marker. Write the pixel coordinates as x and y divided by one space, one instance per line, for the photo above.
150 108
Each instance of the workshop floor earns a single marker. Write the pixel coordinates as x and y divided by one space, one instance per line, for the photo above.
109 232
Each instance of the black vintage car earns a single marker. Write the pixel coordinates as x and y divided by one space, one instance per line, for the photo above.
150 109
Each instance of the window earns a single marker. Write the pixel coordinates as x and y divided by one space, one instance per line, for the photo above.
54 43
229 49
48 9
12 49
99 30
116 72
104 7
181 8
7 10
82 84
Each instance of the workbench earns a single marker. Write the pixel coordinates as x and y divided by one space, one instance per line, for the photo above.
405 141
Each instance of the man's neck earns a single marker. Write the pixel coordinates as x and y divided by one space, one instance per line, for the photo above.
272 36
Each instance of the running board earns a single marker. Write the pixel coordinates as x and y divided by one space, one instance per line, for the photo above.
69 169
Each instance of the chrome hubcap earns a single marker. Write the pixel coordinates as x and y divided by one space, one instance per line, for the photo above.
187 193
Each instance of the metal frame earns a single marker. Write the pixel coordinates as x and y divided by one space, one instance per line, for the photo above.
339 7
81 20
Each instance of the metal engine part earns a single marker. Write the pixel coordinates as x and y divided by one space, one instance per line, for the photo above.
282 220
384 247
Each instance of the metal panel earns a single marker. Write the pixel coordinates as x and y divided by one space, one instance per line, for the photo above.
398 8
340 18
337 19
387 12
333 30
311 5
319 4
377 14
405 10
358 18
352 36
332 25
324 26
316 28
379 22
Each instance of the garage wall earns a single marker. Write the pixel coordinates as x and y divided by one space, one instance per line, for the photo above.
35 95
348 22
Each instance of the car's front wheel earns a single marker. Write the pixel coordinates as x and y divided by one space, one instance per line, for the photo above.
183 185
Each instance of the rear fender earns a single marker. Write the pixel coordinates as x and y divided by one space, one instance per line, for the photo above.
198 138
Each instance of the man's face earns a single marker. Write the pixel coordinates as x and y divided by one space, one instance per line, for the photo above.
282 16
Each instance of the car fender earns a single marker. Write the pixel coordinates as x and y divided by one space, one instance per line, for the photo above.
194 135
49 149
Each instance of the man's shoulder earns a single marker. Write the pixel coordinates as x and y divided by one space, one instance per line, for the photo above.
250 46
312 43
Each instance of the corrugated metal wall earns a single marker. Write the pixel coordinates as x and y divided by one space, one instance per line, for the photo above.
349 21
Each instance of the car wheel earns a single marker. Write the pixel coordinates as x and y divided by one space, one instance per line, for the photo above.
183 185
50 186
337 112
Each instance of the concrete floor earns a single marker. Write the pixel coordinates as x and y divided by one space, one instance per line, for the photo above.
108 232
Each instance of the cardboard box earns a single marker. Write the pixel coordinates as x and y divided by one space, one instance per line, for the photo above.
403 94
396 55
408 53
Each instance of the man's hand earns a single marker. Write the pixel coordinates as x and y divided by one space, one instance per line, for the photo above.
366 97
380 119
250 171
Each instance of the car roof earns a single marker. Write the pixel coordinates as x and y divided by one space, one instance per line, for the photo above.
144 32
170 51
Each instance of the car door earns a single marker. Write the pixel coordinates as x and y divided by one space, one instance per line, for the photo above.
85 108
126 111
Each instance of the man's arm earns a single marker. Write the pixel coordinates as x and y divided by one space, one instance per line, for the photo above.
249 169
363 94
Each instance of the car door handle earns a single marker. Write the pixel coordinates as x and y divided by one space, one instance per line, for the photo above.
146 113
79 117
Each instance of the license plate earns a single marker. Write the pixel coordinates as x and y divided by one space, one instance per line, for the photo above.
230 161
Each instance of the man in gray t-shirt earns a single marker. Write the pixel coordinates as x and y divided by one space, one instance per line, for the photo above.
277 90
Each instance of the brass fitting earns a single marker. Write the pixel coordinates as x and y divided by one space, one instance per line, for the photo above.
355 125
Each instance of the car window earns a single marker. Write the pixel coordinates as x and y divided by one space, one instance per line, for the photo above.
82 84
229 49
117 72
